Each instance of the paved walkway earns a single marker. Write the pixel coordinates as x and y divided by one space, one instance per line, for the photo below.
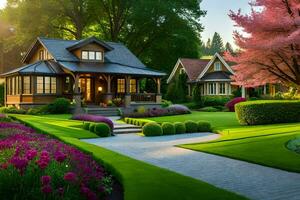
250 180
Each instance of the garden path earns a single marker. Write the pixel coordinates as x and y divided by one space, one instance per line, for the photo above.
250 180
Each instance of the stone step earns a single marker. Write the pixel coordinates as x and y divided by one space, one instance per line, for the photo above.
128 130
125 126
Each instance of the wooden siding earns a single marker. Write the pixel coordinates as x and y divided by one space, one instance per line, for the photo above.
212 67
35 57
89 47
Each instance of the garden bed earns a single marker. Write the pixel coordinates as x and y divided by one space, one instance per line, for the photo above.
36 166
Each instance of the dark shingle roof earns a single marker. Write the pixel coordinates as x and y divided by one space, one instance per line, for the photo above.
39 67
110 68
89 40
118 54
194 67
216 75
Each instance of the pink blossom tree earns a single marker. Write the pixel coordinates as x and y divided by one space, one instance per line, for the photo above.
270 44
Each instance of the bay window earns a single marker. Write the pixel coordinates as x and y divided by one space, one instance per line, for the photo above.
45 85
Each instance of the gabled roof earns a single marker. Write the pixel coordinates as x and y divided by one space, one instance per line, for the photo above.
58 49
192 67
217 55
39 67
89 40
218 75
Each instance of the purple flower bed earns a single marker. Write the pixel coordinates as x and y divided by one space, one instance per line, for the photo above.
230 105
35 166
158 112
94 118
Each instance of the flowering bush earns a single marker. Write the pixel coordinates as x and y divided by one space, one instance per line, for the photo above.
94 118
35 166
230 105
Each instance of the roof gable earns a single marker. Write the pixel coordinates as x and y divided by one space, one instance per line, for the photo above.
216 56
90 40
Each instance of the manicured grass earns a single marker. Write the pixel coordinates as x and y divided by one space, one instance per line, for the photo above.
140 180
263 144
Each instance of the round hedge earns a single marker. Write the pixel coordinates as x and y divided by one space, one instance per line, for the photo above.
152 129
92 127
191 126
86 126
168 128
102 130
268 112
204 126
179 127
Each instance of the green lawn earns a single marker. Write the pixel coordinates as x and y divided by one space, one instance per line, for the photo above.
140 180
264 144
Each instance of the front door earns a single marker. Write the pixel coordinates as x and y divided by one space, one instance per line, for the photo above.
86 89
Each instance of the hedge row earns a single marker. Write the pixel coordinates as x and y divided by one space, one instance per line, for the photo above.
137 122
100 129
268 112
167 128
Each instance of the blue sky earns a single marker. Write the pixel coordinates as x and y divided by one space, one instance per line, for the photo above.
217 19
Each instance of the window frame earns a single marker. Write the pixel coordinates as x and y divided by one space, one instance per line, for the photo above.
212 88
87 54
222 90
217 66
41 54
121 85
133 86
92 57
24 83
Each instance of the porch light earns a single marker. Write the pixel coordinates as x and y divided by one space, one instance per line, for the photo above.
100 89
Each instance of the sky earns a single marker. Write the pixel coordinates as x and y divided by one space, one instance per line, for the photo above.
217 20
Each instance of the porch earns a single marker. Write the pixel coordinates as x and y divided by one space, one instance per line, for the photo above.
123 90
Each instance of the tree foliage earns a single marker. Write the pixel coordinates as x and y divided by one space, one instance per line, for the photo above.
158 32
270 49
215 45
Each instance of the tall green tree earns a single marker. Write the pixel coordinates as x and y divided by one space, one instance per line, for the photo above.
229 48
217 45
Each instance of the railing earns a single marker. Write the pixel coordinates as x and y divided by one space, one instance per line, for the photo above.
141 97
119 95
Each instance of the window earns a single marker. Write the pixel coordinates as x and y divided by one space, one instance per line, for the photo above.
40 85
26 85
91 55
13 85
212 88
8 86
121 86
47 85
217 66
222 88
182 71
132 85
53 85
84 55
17 85
41 55
98 55
20 85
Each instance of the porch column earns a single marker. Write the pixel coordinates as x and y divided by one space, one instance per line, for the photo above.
243 92
138 85
77 95
189 89
127 91
158 95
265 89
109 95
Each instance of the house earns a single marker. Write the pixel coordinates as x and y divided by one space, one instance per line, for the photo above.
214 76
88 70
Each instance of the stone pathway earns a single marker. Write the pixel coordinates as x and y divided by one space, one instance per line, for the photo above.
250 180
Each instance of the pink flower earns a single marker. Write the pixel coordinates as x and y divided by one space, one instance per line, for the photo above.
19 163
45 180
30 155
60 157
70 176
46 189
42 164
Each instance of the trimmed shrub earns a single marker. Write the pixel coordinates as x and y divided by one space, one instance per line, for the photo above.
92 127
197 97
230 105
204 126
135 121
12 110
102 130
86 126
38 110
165 103
209 109
179 127
268 112
59 106
93 118
191 126
215 100
168 128
152 129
